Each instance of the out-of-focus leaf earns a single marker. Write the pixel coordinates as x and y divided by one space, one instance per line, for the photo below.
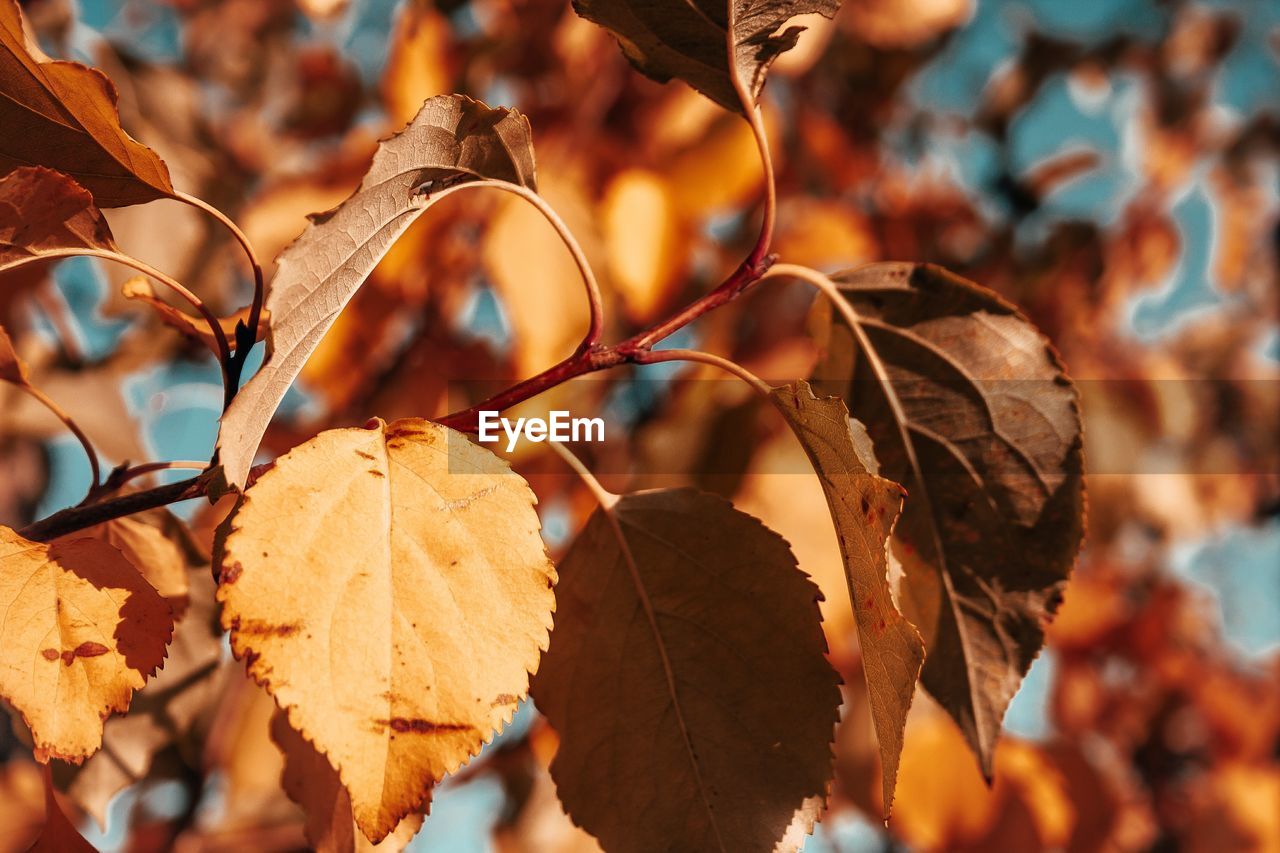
21 803
646 243
147 541
311 782
691 41
195 328
162 713
977 418
687 659
418 65
83 632
864 507
890 24
43 211
402 564
63 115
452 140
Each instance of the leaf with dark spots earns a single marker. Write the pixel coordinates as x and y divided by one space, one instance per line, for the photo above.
388 575
688 659
320 271
864 507
114 624
972 410
691 41
62 115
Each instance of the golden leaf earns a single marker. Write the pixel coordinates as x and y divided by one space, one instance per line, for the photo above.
389 587
82 630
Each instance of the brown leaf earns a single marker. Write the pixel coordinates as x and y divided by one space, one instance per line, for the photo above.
978 419
162 713
84 630
690 40
311 782
147 542
42 212
864 507
12 367
139 288
63 115
452 140
687 660
402 566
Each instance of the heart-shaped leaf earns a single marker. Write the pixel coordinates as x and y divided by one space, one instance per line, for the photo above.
687 680
971 409
390 589
691 41
63 115
452 140
82 631
864 507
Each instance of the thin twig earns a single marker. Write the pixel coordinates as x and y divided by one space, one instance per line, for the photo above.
758 384
603 496
60 414
87 515
152 467
146 269
259 284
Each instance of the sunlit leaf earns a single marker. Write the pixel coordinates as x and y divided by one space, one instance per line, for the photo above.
401 567
83 631
864 507
452 140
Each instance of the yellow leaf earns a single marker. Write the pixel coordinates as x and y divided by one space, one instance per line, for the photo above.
389 587
864 507
82 630
311 782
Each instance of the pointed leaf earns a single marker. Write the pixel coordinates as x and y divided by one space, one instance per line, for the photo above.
979 421
389 587
43 211
311 782
63 115
687 680
82 631
452 140
864 507
690 40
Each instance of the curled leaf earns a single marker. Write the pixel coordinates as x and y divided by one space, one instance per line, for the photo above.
390 589
63 115
972 411
43 212
864 507
690 40
688 660
82 631
139 288
452 140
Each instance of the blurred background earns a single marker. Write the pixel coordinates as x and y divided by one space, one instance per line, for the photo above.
1111 166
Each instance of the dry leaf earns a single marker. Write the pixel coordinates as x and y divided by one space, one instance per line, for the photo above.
389 587
42 211
981 424
452 140
63 115
690 40
195 328
83 631
311 782
687 679
864 507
